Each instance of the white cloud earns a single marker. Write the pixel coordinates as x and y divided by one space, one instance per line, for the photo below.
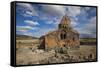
24 32
27 33
25 5
25 28
60 11
28 9
49 22
54 10
52 14
87 8
31 23
89 28
73 11
42 31
73 23
53 21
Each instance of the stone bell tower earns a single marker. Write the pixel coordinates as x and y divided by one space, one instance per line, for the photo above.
65 23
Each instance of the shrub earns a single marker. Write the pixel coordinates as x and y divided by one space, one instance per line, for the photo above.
62 50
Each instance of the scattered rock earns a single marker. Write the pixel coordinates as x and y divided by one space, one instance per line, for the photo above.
39 51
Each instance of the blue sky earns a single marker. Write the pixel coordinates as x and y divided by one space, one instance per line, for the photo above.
38 19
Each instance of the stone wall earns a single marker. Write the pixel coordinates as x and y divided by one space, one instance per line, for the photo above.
53 41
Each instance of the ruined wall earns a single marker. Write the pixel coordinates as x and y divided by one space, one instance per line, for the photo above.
65 36
50 41
53 40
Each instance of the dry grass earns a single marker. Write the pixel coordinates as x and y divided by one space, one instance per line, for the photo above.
27 54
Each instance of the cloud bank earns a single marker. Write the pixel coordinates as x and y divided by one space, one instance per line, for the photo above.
39 19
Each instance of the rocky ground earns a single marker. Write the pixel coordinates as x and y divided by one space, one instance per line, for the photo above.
28 56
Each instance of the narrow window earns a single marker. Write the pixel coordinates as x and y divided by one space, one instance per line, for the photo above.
73 39
63 36
64 45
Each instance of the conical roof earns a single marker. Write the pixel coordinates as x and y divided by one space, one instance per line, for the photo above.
65 20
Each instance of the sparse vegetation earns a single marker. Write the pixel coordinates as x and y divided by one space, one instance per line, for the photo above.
88 41
27 53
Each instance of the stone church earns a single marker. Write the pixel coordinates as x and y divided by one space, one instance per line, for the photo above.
64 37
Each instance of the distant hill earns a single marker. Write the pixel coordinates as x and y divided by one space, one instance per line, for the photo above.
88 41
23 37
87 36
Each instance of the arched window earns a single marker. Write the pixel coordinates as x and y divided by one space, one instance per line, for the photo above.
63 36
73 39
64 45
